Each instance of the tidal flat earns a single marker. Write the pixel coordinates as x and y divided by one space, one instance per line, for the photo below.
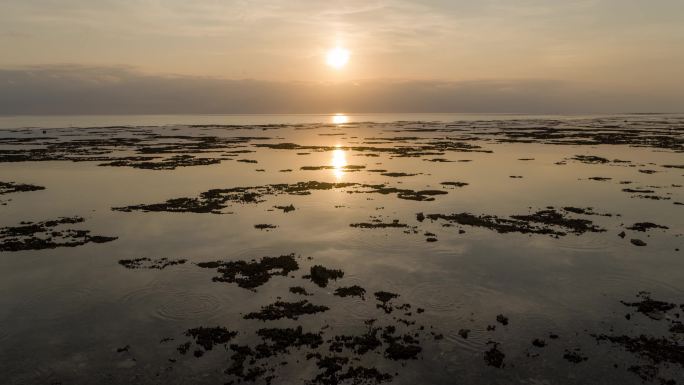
488 250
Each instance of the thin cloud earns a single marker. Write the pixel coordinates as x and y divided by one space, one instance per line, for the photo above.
71 89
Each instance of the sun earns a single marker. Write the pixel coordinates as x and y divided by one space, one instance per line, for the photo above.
337 57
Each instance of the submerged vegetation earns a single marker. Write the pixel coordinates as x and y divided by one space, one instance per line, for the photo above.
416 263
47 235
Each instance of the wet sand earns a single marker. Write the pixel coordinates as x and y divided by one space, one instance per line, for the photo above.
482 251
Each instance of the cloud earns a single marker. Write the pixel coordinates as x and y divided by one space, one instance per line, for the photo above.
602 41
71 89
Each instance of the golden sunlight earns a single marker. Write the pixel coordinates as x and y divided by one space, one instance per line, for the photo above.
337 57
339 161
340 119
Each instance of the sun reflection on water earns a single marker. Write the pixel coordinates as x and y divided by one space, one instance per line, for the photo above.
340 119
339 161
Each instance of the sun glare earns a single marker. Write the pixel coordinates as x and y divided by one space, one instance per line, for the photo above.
340 119
338 57
339 161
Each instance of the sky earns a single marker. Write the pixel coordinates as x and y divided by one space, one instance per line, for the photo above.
269 56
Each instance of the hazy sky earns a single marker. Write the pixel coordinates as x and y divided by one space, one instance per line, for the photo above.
572 55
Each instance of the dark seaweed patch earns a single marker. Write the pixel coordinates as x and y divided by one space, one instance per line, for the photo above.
320 275
259 361
333 373
47 235
291 310
397 174
401 351
348 168
213 201
645 226
640 191
171 163
107 149
148 263
299 290
250 363
652 197
574 356
252 274
286 209
194 205
454 184
586 132
645 372
584 211
282 339
599 178
11 187
379 225
502 319
434 147
358 344
265 226
654 354
351 291
551 217
677 327
494 357
385 299
590 159
649 307
541 222
208 337
655 349
421 195
637 242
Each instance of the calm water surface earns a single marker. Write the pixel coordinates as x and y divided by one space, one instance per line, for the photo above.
66 311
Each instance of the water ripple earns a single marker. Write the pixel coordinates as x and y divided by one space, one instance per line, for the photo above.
58 302
188 306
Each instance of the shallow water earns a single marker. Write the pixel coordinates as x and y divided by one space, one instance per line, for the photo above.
64 311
